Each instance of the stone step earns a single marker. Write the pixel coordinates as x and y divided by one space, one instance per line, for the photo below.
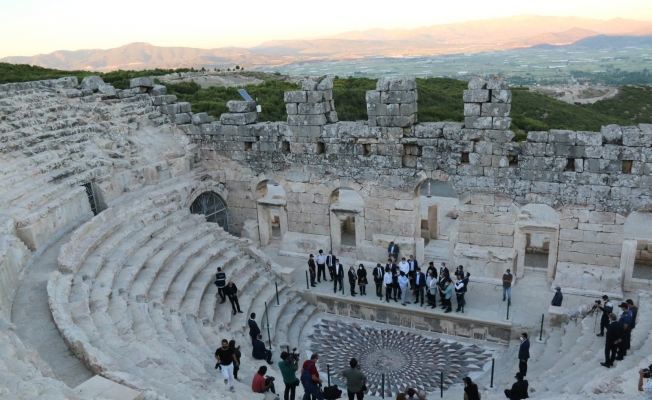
247 274
281 334
251 299
209 299
294 334
169 272
181 287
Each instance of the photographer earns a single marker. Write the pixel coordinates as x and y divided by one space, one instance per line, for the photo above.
289 365
606 309
647 388
262 383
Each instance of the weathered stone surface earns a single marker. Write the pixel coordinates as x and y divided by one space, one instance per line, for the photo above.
239 118
92 82
239 106
476 96
141 82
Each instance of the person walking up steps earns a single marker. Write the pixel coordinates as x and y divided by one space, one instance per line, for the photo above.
231 291
227 359
220 282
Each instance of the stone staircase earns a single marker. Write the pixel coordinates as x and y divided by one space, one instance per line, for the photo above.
436 251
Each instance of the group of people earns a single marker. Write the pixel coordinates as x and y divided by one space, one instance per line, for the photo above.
227 290
397 278
618 330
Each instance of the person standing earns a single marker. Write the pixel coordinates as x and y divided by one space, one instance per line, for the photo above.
388 280
647 388
321 265
432 289
419 283
459 272
413 268
353 277
259 351
470 389
310 379
226 358
523 354
612 341
447 295
519 388
395 274
355 380
362 280
378 280
260 384
443 269
288 367
254 330
507 287
330 263
393 250
459 294
607 308
557 298
238 356
431 267
634 310
220 282
625 322
312 270
231 291
403 282
404 266
338 274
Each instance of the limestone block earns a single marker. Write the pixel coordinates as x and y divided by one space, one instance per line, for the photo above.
307 120
141 82
92 82
488 263
376 109
70 93
297 96
239 119
557 316
182 118
325 84
308 84
501 96
478 122
398 96
157 90
472 109
596 217
99 387
497 83
476 96
536 136
477 83
314 96
286 274
305 243
250 231
241 106
612 134
163 99
502 123
372 96
493 109
331 117
498 136
588 279
291 108
584 138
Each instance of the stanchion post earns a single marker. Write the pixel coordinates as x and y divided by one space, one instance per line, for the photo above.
328 373
541 330
441 384
382 385
278 303
492 373
307 282
342 285
508 311
269 336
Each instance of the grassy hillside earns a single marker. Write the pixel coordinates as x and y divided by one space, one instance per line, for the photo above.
439 100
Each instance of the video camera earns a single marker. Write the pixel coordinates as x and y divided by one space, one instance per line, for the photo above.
293 357
646 373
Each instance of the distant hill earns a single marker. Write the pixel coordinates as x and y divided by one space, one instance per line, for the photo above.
464 37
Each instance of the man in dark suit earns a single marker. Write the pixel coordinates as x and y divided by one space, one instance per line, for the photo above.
312 270
413 265
419 283
259 351
612 341
330 263
378 280
338 275
352 279
254 331
523 354
231 291
519 389
625 322
395 273
393 250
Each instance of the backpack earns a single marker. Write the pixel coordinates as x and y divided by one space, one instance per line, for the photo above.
306 378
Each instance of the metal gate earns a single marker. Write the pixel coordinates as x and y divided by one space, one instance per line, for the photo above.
213 207
91 197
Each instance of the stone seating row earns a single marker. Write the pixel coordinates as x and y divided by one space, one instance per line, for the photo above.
23 374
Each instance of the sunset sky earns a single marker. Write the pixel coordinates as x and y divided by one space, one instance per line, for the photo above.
29 27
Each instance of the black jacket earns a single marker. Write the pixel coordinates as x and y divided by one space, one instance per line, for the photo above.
220 279
231 291
378 277
352 276
524 350
330 260
340 273
254 330
518 391
614 332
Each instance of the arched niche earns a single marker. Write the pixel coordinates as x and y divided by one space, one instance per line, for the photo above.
213 207
346 219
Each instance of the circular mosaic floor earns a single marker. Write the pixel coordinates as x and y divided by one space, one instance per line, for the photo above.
406 359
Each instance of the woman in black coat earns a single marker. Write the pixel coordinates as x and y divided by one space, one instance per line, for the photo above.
352 278
362 280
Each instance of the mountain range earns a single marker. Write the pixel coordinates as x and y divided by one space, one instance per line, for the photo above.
473 36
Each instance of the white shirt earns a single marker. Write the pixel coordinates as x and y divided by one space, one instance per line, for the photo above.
459 285
433 286
411 264
387 278
404 266
337 268
321 258
647 391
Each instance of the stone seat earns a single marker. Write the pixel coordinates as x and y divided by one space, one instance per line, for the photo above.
283 324
179 287
202 287
247 273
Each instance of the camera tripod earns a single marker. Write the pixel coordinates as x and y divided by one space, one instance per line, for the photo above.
592 311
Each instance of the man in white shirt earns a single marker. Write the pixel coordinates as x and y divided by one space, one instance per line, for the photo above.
388 280
321 265
404 266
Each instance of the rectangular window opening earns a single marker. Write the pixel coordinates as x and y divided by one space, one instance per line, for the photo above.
627 166
320 148
513 161
248 146
465 158
366 149
570 165
285 147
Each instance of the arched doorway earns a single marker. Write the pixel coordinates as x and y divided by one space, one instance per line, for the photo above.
213 207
